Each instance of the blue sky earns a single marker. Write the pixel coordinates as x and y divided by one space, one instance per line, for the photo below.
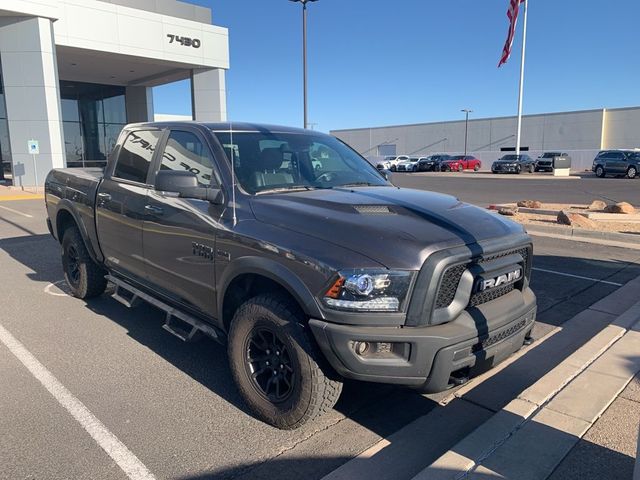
385 62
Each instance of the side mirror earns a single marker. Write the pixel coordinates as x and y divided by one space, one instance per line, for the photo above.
387 174
185 184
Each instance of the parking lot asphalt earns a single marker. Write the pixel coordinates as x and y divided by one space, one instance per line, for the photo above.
484 188
174 405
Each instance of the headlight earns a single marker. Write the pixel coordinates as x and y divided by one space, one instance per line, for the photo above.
369 290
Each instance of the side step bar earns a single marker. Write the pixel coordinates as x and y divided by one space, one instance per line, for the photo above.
130 296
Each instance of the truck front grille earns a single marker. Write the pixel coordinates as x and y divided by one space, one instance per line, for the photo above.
488 295
453 274
449 285
498 337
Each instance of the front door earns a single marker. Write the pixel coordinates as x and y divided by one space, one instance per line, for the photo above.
121 202
616 162
179 234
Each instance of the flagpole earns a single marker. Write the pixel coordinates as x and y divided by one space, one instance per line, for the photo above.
524 46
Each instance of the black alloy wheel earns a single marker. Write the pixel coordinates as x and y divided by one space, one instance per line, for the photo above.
269 365
72 265
600 171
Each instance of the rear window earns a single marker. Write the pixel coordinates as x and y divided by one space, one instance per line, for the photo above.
135 155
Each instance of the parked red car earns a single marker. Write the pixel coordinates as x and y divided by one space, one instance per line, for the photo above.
462 162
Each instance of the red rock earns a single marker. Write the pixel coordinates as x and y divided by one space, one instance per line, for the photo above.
575 220
621 207
530 204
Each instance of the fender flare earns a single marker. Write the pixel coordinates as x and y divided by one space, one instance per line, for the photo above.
274 271
67 206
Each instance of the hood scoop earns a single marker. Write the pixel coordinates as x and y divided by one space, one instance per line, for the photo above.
374 210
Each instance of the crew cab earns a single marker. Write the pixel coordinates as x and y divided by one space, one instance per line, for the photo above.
234 233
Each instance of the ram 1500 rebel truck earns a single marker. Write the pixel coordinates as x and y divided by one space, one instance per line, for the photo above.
308 275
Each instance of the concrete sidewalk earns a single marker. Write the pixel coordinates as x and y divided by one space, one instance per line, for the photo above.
556 419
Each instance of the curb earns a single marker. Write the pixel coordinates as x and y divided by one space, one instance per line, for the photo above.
581 234
535 431
11 198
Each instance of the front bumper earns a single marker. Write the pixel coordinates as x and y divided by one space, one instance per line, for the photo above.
504 169
478 339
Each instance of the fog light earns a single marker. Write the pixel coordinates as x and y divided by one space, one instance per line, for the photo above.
361 348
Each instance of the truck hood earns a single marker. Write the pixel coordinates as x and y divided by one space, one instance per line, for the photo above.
396 227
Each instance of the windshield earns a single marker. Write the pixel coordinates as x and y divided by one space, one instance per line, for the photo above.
510 157
277 161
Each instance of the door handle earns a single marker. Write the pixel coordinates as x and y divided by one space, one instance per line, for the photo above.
153 210
105 197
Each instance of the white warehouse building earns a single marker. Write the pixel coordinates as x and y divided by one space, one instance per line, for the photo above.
73 72
581 134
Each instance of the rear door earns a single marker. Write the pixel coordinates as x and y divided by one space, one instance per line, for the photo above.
179 234
121 201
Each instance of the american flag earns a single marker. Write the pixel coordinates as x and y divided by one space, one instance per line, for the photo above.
512 15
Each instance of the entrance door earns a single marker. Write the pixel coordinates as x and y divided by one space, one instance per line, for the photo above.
179 234
121 202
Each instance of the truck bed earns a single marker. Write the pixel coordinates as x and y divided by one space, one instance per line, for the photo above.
76 188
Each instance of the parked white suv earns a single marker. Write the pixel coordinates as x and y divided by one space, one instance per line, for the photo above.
390 162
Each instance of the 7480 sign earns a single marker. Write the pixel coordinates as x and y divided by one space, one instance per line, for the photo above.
184 41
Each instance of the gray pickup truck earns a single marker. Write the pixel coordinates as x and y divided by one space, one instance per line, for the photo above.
308 275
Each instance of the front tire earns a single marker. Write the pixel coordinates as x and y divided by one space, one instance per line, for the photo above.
460 168
518 169
531 169
289 386
85 278
600 171
632 172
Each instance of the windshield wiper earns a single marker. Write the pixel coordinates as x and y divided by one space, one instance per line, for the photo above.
292 188
359 184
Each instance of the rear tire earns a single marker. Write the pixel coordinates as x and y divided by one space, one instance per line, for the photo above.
294 386
531 169
632 172
600 172
476 168
85 278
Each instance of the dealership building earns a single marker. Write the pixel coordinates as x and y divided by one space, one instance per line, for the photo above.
73 72
581 134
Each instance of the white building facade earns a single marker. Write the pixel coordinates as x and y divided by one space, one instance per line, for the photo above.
73 72
581 134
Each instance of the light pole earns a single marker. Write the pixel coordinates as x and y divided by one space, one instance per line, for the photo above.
304 54
466 127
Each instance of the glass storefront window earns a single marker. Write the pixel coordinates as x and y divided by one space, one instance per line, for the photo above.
5 150
93 118
114 110
73 143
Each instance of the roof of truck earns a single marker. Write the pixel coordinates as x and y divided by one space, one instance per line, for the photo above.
228 126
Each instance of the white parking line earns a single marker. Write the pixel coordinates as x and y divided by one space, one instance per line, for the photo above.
16 211
120 454
577 276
